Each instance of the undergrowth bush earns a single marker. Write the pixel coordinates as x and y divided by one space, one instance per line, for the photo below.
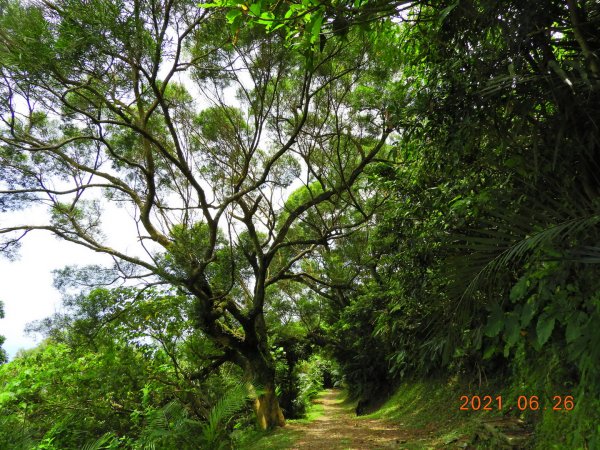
310 377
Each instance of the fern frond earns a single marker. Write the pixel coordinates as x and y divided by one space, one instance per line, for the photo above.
19 436
220 414
104 441
166 424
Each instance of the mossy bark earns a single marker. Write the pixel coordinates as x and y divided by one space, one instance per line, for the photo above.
261 369
266 407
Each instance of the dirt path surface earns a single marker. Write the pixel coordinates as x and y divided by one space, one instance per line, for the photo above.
339 428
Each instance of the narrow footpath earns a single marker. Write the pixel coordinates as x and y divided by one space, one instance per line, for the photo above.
338 428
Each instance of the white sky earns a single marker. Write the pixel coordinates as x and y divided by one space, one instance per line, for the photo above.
26 284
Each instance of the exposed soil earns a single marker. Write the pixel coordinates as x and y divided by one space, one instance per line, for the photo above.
339 428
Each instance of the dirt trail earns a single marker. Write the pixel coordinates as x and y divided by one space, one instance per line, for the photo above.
339 428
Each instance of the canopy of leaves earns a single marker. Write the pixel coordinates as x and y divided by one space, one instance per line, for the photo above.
383 200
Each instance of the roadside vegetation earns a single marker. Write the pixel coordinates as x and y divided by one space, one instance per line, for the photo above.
400 199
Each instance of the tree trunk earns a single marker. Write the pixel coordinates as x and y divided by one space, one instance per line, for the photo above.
252 354
266 405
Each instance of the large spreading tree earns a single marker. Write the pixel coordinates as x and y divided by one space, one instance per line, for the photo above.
201 132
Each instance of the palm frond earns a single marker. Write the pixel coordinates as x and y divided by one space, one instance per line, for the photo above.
520 249
584 254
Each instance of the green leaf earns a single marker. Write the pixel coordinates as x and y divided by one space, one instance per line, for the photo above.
513 329
489 352
315 27
519 290
233 14
276 27
267 18
574 326
495 322
544 328
255 9
444 13
572 332
290 12
527 314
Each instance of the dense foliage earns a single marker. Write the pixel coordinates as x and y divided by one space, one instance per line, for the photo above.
412 192
117 366
487 247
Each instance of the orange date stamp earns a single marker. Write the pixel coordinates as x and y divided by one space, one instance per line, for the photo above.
524 403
